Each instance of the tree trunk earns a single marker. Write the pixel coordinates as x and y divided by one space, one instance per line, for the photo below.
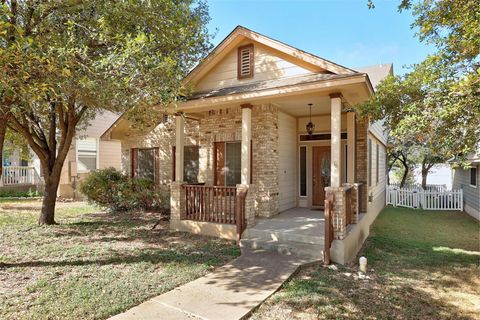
3 130
405 175
47 215
424 177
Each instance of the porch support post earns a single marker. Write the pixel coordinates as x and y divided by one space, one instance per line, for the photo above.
351 147
246 138
335 120
179 143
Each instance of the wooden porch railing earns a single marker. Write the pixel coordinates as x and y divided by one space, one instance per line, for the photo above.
216 204
19 175
328 211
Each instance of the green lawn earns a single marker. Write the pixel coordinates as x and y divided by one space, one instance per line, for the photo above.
93 264
422 265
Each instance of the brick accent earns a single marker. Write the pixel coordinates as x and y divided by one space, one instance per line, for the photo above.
338 212
225 125
163 137
361 160
177 202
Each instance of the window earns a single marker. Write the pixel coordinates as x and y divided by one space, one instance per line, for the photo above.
303 171
320 137
345 164
245 62
473 176
87 154
190 164
227 163
369 162
377 163
145 163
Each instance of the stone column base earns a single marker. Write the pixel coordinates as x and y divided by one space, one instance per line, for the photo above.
177 202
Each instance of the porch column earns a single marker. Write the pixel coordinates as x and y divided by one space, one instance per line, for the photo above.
179 143
246 138
351 147
335 120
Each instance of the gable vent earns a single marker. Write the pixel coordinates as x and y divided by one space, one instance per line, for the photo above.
245 61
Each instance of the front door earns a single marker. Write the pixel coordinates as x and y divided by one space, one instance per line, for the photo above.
320 174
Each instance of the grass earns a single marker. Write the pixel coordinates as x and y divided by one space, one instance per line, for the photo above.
422 265
93 265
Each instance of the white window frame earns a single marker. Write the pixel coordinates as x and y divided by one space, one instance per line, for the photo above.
97 160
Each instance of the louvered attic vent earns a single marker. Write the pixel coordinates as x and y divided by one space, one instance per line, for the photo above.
245 61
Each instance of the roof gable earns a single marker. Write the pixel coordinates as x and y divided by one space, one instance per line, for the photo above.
241 35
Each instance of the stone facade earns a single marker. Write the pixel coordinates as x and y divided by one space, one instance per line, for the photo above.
177 202
223 125
162 137
361 160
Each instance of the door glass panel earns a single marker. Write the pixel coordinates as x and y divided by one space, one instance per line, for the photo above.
325 171
146 163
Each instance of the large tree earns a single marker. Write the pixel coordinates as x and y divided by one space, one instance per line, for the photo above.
62 62
436 105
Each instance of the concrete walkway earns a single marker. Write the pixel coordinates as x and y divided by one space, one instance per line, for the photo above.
228 293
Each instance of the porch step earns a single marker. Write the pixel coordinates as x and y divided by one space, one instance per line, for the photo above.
311 252
282 235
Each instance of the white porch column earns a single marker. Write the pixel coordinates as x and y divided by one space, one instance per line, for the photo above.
179 143
335 120
351 147
246 138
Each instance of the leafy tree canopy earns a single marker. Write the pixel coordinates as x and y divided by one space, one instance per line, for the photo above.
433 112
62 62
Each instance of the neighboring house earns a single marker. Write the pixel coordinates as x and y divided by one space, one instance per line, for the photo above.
244 129
468 179
87 153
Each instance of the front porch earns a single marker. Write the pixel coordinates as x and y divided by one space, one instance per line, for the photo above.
297 231
263 150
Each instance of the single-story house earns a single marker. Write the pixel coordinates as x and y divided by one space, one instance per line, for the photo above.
88 152
468 179
268 129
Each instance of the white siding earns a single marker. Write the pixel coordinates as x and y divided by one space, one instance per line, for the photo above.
287 151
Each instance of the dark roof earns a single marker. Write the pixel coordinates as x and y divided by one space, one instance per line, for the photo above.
268 84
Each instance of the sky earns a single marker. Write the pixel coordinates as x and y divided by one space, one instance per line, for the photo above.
343 31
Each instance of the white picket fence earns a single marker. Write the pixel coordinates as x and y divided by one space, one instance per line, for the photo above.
19 175
425 199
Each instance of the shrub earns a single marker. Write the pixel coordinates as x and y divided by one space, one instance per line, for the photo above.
12 193
109 188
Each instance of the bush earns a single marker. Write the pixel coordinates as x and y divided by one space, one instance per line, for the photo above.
109 188
12 193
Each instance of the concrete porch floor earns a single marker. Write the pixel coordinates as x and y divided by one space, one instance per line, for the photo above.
298 231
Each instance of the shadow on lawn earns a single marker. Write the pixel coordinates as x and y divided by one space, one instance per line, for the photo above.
332 293
152 256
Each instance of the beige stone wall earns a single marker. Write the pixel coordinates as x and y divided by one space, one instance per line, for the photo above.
225 125
163 137
361 160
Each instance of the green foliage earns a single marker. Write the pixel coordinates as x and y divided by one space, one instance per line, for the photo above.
109 188
63 62
434 110
11 193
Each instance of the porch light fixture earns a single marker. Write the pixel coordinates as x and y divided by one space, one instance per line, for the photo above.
310 125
